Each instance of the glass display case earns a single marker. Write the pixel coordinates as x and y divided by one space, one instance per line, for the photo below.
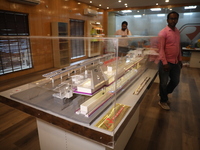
97 97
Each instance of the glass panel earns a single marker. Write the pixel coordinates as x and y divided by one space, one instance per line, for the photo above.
149 23
9 16
3 28
7 63
145 22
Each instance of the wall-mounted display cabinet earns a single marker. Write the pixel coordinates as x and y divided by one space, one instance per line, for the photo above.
60 45
95 45
94 103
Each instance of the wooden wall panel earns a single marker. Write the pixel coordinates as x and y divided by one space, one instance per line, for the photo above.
40 18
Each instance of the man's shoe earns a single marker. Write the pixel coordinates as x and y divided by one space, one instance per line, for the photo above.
164 105
168 102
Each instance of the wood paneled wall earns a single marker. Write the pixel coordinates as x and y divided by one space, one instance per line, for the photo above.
40 18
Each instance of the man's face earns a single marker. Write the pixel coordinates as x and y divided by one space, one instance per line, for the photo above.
172 20
124 27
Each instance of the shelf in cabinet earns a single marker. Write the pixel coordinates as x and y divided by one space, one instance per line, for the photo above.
61 44
63 50
64 57
62 34
64 61
64 54
63 41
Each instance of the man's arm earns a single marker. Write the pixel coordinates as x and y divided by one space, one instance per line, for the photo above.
161 47
129 32
162 50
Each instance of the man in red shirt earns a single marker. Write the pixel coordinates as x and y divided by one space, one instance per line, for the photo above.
170 59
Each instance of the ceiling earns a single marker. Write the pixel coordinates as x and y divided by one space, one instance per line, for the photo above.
114 4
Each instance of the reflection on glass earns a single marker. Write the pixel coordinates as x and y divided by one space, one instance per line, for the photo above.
15 55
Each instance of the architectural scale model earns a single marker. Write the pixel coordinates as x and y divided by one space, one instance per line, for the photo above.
94 83
100 80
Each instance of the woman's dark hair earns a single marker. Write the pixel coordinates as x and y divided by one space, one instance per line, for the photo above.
172 12
124 22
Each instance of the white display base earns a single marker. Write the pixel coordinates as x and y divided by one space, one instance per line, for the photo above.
128 131
52 137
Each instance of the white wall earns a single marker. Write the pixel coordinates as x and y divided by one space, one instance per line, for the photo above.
151 25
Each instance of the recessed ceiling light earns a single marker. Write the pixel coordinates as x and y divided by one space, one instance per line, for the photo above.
137 16
166 1
138 11
155 9
190 7
90 1
156 3
107 7
187 13
119 1
99 4
125 4
79 3
126 11
160 15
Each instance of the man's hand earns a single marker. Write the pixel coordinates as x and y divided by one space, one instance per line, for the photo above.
166 67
